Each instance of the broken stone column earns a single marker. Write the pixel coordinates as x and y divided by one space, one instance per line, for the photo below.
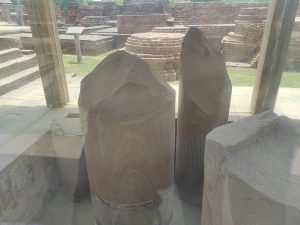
205 93
252 172
129 143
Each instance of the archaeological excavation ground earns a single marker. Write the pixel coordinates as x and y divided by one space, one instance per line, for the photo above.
149 112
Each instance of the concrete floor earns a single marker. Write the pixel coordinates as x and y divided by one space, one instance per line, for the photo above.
25 106
61 210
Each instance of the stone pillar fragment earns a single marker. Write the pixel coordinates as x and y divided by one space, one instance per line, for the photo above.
252 172
129 142
205 93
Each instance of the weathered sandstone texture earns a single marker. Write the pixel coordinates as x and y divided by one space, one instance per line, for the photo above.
244 43
139 16
129 143
205 94
252 172
160 50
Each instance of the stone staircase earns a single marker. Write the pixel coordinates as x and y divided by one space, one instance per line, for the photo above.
16 69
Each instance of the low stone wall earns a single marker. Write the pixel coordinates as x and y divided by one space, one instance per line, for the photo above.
90 44
28 184
52 165
210 13
160 50
90 21
129 24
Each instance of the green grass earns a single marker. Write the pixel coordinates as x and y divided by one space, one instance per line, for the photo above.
246 77
238 76
86 66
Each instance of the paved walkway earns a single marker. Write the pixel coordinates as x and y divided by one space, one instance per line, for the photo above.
23 106
24 116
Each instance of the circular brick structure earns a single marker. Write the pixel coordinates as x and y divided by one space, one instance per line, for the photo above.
242 44
160 50
174 29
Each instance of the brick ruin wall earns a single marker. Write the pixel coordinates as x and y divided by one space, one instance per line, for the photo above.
75 12
129 24
210 13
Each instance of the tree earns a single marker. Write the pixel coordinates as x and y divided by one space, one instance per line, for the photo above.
65 2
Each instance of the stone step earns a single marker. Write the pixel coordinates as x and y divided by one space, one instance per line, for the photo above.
27 51
17 65
9 54
19 79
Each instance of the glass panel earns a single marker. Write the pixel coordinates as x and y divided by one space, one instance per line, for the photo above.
137 112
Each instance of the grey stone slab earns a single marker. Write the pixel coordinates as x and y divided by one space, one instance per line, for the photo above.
252 172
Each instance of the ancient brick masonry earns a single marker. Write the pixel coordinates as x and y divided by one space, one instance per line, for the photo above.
209 13
213 32
160 50
75 12
293 57
216 32
244 43
140 16
129 24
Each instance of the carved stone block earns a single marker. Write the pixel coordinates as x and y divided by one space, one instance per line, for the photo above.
204 100
129 142
252 172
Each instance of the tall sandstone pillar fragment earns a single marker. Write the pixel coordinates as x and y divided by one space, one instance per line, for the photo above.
252 172
130 141
205 93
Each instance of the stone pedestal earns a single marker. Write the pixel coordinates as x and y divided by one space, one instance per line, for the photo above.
252 172
129 142
160 50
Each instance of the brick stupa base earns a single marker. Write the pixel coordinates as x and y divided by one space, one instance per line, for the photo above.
244 43
160 50
129 24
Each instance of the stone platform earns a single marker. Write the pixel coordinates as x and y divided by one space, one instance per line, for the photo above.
90 44
244 43
160 50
